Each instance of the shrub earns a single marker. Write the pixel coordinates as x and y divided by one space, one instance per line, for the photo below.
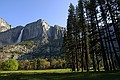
10 65
44 64
54 63
24 65
1 64
61 63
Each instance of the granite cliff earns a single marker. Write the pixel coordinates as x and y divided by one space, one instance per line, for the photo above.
36 39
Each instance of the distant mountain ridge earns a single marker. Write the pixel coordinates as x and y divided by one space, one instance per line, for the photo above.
4 26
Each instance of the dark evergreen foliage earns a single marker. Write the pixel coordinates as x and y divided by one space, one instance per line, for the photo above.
92 40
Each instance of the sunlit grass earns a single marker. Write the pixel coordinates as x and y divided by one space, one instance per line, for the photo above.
58 74
39 71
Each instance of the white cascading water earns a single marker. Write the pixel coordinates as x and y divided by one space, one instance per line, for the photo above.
20 36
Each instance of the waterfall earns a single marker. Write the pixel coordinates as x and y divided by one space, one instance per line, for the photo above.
20 36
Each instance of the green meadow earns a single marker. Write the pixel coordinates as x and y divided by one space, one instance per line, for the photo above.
58 74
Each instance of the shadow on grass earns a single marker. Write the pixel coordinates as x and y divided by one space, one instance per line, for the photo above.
62 76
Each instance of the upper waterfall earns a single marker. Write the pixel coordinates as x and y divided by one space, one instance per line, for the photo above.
20 36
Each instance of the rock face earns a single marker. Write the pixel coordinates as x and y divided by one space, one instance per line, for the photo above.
36 31
10 36
4 26
47 40
55 37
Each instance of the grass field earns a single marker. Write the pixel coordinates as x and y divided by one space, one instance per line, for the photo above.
58 74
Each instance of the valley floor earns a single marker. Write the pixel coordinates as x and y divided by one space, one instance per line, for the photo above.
58 74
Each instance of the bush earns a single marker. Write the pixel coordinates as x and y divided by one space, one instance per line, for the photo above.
43 64
54 63
24 65
1 64
10 65
58 64
61 63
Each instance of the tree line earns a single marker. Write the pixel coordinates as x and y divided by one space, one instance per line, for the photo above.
92 39
34 64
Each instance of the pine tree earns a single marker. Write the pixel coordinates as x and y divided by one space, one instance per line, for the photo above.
113 13
106 15
70 35
84 36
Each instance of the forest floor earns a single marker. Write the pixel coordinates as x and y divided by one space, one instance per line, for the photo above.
58 74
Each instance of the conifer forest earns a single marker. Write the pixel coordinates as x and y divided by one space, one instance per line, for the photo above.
92 38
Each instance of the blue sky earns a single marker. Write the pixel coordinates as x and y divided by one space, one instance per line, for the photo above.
21 12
